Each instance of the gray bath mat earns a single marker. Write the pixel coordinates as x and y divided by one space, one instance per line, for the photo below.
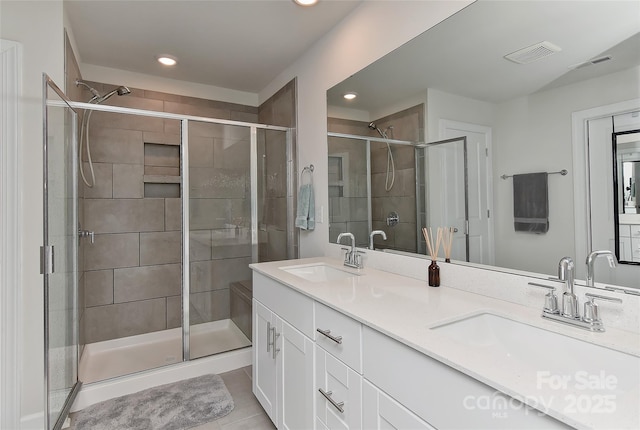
176 406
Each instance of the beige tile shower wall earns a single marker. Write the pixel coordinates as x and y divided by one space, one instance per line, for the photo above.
407 125
279 110
132 274
350 213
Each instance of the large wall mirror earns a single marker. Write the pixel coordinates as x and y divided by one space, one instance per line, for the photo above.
500 123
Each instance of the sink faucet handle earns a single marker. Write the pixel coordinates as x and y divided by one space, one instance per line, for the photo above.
550 299
591 314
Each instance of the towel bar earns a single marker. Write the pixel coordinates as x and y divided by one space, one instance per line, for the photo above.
563 172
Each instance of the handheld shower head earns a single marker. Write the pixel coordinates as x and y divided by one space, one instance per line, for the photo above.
121 91
97 98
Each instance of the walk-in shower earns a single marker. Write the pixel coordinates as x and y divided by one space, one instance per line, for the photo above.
181 205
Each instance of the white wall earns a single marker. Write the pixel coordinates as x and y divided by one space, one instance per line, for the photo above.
368 33
533 134
37 25
441 105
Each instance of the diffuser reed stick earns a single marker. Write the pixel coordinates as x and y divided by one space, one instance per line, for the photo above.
428 237
447 242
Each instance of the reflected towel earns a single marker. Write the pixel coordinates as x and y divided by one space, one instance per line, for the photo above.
305 215
531 203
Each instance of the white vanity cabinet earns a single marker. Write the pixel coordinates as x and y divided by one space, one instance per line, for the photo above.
283 361
331 372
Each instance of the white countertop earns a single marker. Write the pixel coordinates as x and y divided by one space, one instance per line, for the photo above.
405 308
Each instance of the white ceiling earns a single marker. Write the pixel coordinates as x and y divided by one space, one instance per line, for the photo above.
463 55
241 45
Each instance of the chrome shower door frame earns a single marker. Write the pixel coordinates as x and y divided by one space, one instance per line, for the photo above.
70 238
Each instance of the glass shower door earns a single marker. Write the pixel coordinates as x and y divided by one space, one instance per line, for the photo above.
59 255
220 229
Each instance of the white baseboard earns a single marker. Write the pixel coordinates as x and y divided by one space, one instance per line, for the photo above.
32 422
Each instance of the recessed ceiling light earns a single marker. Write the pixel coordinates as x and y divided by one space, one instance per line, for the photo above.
350 95
167 60
305 2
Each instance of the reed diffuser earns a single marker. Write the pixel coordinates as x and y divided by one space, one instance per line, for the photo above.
434 270
447 242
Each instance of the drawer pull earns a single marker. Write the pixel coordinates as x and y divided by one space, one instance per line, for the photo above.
275 349
269 336
327 395
336 339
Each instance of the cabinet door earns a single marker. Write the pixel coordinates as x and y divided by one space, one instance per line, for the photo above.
295 378
264 359
343 386
380 411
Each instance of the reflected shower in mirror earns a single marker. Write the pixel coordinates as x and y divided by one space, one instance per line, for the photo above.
516 115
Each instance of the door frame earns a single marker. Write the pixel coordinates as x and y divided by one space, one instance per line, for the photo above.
445 124
581 176
10 235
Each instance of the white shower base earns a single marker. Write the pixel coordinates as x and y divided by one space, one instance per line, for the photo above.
122 366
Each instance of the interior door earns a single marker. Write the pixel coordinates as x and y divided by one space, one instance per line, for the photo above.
480 229
446 185
59 255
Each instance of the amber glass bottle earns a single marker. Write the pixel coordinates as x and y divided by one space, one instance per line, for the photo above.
434 274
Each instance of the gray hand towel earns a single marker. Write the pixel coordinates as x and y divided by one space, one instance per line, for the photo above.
531 203
305 214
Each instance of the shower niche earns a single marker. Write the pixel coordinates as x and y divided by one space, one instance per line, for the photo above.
162 170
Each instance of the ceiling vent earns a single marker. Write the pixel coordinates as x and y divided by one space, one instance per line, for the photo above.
533 53
591 62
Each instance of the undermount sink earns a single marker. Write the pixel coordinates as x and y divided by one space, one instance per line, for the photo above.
547 351
318 272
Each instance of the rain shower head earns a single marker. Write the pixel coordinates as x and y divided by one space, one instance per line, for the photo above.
97 98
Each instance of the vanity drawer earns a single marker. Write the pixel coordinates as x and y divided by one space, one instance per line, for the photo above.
635 249
635 230
342 338
343 386
625 230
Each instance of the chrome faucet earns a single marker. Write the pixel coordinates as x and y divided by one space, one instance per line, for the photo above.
590 319
352 257
569 299
373 233
591 258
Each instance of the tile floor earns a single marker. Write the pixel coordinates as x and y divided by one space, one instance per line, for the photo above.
247 413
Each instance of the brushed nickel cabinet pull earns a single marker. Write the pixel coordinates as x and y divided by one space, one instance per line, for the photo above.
327 395
336 339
